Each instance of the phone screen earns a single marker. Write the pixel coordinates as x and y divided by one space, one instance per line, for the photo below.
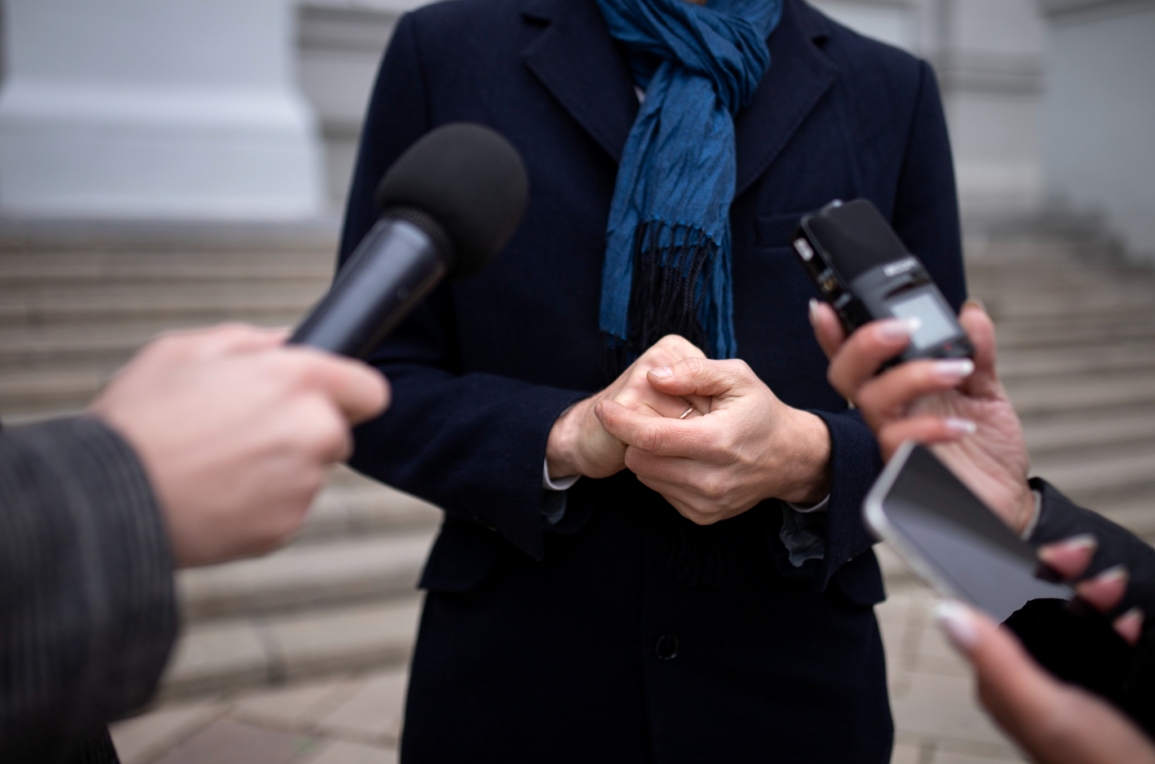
960 544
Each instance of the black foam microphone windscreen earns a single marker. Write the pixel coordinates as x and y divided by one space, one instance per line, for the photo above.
858 240
450 203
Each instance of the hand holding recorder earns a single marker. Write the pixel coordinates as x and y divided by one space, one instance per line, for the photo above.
959 405
968 418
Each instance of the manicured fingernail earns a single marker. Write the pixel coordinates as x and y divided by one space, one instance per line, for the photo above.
961 426
813 312
956 620
954 369
662 372
899 328
1134 615
975 302
1084 542
1111 575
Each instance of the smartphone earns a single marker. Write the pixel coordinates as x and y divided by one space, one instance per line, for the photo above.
962 549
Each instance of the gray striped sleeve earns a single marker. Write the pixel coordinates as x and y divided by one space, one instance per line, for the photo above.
88 611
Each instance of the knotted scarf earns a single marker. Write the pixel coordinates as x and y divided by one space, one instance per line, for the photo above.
667 264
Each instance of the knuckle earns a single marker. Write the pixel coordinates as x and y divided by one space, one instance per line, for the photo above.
335 442
696 365
650 438
714 486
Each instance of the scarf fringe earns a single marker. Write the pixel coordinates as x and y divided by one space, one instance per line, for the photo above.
671 292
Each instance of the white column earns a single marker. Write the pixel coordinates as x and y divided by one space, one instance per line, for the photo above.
1100 114
155 108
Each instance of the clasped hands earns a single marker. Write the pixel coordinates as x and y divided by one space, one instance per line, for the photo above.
739 445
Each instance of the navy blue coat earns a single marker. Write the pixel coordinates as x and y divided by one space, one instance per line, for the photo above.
542 643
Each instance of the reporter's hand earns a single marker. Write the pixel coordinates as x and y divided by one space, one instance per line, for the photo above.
1070 558
748 447
958 407
1054 722
236 431
579 445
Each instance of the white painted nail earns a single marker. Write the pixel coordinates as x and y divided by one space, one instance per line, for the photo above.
1084 541
1111 575
1134 614
813 312
955 619
961 426
899 328
954 369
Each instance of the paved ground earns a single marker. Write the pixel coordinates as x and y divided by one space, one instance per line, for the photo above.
355 719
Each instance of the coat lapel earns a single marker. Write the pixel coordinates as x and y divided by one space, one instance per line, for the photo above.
578 62
799 75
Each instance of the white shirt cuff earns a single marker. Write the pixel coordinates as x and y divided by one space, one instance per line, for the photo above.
819 507
1034 521
559 484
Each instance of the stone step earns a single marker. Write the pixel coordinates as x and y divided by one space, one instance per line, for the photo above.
31 393
119 301
95 269
1053 304
344 570
245 652
1074 338
1096 480
1024 363
1081 433
1040 398
352 506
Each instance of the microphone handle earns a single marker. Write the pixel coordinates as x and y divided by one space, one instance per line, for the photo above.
393 268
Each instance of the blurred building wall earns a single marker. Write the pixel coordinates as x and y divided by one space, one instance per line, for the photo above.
220 108
988 54
155 108
988 58
1099 133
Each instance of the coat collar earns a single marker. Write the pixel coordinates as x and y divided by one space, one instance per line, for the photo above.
586 71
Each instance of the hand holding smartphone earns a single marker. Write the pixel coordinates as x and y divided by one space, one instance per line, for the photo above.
964 551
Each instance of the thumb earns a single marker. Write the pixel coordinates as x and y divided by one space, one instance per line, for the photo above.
696 376
1011 683
1055 723
981 331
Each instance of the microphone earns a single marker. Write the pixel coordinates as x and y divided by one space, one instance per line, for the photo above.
450 203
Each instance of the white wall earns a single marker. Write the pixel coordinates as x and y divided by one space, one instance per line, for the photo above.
155 108
1100 115
987 55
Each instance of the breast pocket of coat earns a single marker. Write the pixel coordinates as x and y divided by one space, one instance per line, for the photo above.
776 230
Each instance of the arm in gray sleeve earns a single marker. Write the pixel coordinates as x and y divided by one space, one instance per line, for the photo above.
88 612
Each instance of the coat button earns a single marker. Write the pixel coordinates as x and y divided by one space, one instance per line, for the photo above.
666 648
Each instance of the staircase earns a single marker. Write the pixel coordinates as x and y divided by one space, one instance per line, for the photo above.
1076 333
1077 341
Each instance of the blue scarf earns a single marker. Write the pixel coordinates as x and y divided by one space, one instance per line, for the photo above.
667 264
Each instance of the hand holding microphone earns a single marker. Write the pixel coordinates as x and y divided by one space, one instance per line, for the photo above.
237 431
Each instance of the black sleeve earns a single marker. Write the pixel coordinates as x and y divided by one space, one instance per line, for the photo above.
88 610
1060 518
